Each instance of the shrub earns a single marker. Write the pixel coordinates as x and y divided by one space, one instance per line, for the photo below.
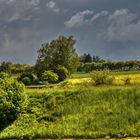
26 81
12 99
127 81
62 73
102 77
4 75
33 78
50 76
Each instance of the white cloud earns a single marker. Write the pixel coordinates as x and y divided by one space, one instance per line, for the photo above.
52 6
124 27
84 17
98 15
122 16
14 17
17 10
79 19
119 13
35 2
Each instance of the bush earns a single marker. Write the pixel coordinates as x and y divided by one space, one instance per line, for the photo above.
50 76
62 73
127 81
33 78
4 75
26 81
102 77
12 99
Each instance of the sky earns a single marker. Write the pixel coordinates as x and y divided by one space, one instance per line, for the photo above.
107 28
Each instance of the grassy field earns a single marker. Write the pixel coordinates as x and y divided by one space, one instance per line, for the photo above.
94 112
126 72
79 75
77 109
87 75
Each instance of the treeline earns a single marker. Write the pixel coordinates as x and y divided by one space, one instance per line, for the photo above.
9 67
55 62
88 58
58 59
120 65
86 64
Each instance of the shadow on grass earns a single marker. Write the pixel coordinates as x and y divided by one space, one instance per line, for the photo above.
4 124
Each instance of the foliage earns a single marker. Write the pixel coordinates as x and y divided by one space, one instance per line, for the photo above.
26 81
4 75
9 67
5 67
60 51
12 99
101 77
100 65
28 78
62 73
50 76
127 81
87 58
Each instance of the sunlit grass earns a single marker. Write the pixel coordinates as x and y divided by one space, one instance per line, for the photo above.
93 112
119 79
76 108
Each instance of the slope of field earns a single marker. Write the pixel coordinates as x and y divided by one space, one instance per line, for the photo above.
93 112
120 77
79 75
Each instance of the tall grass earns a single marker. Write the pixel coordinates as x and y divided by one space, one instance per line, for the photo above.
103 111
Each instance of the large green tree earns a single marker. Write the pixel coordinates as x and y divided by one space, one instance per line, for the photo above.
58 52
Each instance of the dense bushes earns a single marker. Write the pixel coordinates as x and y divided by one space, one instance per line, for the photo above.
26 81
28 78
58 75
62 73
101 77
12 99
50 76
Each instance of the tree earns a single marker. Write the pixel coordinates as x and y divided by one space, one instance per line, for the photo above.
60 51
88 58
96 58
62 72
6 67
13 100
82 58
50 76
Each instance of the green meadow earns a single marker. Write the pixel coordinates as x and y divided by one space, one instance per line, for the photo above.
78 111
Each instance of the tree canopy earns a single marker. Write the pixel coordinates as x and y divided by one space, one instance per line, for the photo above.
58 52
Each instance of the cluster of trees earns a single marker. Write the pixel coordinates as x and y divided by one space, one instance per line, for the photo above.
9 67
88 58
57 59
121 65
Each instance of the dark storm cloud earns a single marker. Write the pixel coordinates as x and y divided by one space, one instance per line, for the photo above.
107 28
